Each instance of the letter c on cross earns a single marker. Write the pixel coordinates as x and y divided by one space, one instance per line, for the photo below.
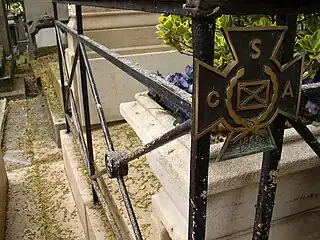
210 99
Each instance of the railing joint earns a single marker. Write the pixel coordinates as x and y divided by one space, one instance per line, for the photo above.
114 168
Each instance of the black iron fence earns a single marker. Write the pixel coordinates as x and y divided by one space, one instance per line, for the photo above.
204 14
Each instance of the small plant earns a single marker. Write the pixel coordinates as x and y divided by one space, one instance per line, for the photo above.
176 32
14 6
310 44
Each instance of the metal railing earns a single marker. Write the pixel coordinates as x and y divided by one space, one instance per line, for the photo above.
117 162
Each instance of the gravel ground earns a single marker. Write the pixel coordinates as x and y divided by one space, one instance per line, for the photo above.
40 203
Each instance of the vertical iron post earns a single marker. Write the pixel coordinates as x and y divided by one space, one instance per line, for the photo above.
269 171
203 49
63 88
85 98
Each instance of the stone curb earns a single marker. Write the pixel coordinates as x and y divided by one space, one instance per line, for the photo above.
90 218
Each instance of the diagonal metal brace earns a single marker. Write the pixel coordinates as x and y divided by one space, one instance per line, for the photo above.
306 134
115 160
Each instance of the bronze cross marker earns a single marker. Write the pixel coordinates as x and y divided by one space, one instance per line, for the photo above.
250 92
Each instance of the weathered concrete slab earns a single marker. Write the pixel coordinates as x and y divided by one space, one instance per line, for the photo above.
47 71
300 226
40 204
54 102
233 184
18 89
15 133
90 217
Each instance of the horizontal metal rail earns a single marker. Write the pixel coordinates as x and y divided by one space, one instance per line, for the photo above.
178 97
192 9
174 7
121 159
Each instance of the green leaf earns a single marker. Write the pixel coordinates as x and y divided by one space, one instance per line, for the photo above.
168 24
162 19
316 37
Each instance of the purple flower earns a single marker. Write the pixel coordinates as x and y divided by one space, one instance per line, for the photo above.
189 71
313 108
177 77
307 81
182 83
170 78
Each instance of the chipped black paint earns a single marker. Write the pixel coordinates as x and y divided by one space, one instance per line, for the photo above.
203 42
268 179
203 13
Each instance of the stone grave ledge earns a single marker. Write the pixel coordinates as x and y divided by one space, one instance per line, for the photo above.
92 219
141 182
51 89
225 175
233 184
303 225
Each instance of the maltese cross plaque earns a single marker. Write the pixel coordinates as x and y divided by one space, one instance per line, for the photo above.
247 96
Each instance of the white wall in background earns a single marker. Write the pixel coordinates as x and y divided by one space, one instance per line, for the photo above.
47 37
